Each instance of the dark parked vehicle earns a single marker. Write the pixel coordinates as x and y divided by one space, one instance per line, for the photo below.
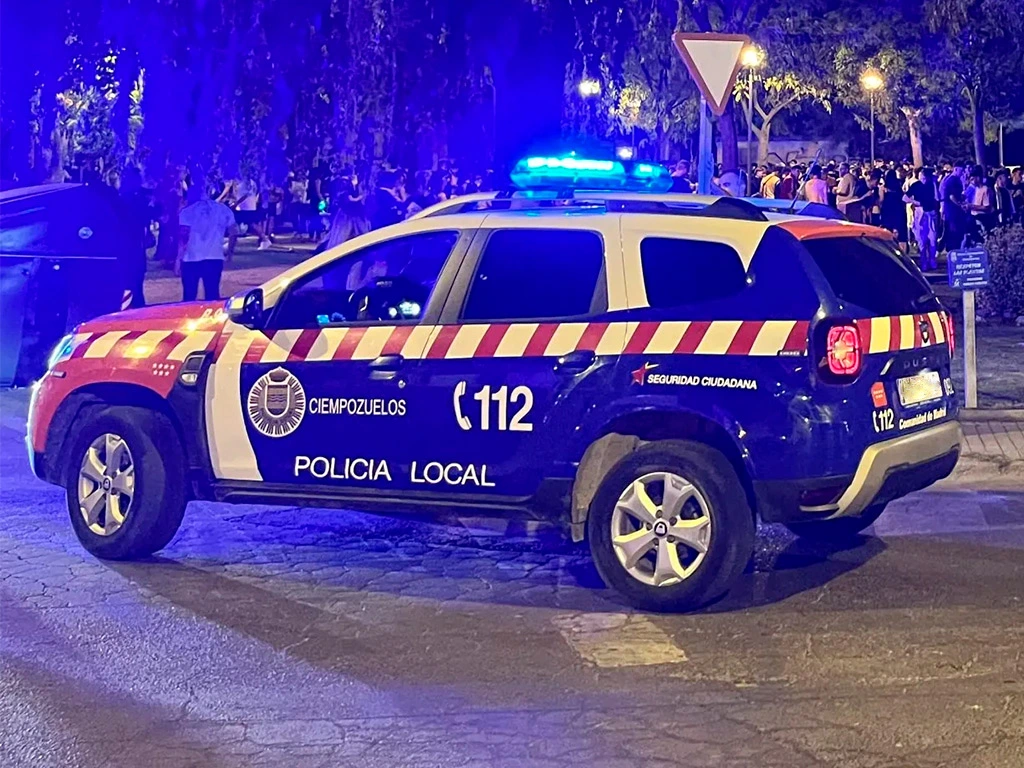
60 246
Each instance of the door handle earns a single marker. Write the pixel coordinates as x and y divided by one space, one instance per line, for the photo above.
386 367
575 362
387 363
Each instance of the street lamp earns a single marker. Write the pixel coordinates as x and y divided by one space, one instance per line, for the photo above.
751 57
589 87
872 82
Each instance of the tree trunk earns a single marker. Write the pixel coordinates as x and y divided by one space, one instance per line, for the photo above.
763 143
727 135
664 142
978 125
914 128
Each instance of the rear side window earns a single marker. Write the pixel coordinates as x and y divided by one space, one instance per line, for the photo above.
870 274
681 272
538 274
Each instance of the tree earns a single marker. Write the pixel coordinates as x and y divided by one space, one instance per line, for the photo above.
747 17
984 51
774 95
645 86
894 40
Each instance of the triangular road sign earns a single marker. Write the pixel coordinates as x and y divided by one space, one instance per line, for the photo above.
713 61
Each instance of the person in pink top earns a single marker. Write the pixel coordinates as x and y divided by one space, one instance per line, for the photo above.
816 190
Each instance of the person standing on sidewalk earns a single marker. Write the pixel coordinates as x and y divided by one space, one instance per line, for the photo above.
923 198
204 224
1002 199
979 199
894 211
138 213
248 212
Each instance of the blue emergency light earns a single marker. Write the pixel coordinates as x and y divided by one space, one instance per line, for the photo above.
572 171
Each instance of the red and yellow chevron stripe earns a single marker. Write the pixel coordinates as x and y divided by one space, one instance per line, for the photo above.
758 338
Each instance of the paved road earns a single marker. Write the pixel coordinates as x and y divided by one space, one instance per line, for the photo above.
301 637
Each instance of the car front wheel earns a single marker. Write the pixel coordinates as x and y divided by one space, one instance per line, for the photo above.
125 482
670 527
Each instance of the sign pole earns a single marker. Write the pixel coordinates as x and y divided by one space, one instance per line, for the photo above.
713 61
970 353
705 161
968 271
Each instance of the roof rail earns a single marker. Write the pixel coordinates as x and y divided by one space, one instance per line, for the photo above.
723 208
505 200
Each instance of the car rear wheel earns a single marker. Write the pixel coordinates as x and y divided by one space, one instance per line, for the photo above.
839 528
125 482
670 527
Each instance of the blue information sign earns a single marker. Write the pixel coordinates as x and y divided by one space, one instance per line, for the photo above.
968 268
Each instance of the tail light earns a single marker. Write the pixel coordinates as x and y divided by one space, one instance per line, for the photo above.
844 353
947 320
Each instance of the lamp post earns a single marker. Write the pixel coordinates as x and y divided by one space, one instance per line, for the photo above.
589 89
872 81
751 58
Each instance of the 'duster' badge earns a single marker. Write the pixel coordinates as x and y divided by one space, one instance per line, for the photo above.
276 403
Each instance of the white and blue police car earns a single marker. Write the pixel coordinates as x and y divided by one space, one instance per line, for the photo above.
658 371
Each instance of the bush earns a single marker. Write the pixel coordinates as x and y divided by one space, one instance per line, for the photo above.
1004 298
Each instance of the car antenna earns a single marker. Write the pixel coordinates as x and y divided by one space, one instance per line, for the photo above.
804 180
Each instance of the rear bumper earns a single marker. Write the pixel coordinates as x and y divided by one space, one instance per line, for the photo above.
900 466
886 471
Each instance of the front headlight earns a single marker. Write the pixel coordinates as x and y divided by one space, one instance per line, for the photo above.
61 352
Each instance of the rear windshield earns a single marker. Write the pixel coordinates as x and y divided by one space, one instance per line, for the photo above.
871 274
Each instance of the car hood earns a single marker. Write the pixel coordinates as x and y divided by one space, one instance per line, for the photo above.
183 317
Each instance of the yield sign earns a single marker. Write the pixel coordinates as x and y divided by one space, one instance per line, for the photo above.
713 61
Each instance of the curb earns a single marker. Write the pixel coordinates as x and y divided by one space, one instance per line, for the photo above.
991 414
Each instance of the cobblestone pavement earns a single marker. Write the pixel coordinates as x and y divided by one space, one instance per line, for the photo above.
300 637
1002 439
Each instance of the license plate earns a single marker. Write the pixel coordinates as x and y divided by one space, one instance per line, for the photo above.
920 388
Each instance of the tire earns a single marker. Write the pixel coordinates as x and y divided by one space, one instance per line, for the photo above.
153 513
728 540
839 529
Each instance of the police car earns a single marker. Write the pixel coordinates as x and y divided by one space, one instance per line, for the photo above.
661 374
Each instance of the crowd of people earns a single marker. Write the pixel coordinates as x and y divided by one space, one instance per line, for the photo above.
324 208
943 208
328 207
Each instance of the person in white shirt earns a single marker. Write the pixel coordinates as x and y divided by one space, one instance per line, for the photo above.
204 223
248 212
979 198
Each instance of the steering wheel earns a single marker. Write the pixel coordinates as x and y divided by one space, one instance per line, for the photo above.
388 299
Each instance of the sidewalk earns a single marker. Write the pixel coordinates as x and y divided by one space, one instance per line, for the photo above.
995 439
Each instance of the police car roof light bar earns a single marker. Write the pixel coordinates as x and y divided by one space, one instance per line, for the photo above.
572 172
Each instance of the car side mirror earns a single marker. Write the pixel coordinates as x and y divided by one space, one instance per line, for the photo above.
247 310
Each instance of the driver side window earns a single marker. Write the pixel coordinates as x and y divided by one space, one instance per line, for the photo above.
384 283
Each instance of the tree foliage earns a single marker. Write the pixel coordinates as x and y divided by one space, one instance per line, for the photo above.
250 87
645 88
983 51
895 41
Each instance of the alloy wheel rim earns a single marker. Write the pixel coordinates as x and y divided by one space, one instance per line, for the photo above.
106 484
661 529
